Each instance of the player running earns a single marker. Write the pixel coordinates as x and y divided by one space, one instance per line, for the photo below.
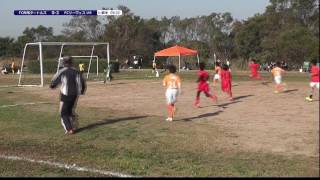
254 66
314 81
217 74
226 81
277 72
203 85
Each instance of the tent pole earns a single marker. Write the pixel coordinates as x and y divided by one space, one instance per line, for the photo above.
97 66
179 62
215 59
198 60
154 60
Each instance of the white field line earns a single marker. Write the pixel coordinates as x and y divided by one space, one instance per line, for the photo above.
7 86
23 104
65 166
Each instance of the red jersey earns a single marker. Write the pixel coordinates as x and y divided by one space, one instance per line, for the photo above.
226 79
254 68
203 77
315 74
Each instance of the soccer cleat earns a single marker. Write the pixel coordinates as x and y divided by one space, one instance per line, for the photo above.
197 105
309 99
215 99
69 132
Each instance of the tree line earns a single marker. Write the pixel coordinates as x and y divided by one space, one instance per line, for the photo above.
288 31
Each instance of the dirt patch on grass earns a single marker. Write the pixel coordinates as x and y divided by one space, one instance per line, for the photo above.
256 121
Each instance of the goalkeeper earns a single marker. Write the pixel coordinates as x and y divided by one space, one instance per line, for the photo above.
72 85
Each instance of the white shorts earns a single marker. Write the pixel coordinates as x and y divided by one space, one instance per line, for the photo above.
172 96
216 76
314 84
277 79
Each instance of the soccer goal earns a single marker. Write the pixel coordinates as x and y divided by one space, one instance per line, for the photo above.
90 58
41 65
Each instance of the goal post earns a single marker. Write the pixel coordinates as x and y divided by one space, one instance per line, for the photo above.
89 67
62 44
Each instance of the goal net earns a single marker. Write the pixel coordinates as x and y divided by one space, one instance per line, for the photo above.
41 60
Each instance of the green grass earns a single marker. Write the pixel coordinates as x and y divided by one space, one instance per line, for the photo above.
131 144
146 74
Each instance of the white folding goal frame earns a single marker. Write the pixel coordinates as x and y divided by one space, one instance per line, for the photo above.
62 44
97 60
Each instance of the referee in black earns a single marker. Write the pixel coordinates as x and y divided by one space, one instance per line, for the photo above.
72 85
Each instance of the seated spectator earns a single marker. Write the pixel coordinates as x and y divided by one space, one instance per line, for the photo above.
4 71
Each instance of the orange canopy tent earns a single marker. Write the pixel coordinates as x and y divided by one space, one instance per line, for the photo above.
177 51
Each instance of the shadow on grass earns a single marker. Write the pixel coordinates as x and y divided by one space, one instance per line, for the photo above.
224 105
108 121
235 100
290 90
241 97
119 83
266 83
201 116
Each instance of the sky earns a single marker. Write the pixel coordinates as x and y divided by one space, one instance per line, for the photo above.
13 26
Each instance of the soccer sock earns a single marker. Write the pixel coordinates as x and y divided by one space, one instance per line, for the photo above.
197 100
169 110
172 110
230 93
213 97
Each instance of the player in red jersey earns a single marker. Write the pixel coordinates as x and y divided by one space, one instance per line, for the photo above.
314 81
254 66
226 79
203 85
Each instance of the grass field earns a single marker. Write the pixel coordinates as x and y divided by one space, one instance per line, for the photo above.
135 74
122 129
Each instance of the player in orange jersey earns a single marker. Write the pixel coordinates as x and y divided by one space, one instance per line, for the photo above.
217 75
173 84
277 72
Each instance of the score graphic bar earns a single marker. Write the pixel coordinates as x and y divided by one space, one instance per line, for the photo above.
67 12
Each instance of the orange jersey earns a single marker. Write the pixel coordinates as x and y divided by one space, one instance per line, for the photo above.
277 71
172 81
217 70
